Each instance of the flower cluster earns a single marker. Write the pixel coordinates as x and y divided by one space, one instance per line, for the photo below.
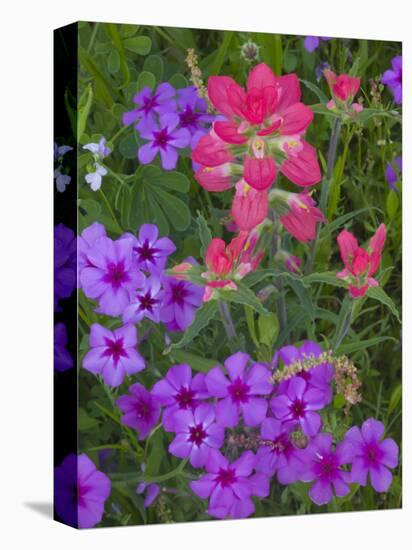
168 119
343 89
274 428
127 279
97 171
360 264
61 178
261 133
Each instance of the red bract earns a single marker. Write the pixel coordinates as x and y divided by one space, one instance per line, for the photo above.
360 264
302 217
343 87
249 206
263 131
227 264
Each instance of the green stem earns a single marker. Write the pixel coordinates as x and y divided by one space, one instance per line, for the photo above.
92 38
227 320
279 284
109 208
344 326
119 133
324 194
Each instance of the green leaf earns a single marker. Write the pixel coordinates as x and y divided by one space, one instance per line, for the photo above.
377 293
367 114
321 109
154 64
243 295
268 328
84 421
203 316
177 211
157 452
85 103
331 227
392 204
250 321
120 62
113 62
146 79
178 81
204 233
395 398
328 277
138 44
303 296
353 347
201 364
221 52
316 90
102 86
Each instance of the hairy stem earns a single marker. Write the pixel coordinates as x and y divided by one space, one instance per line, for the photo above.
227 320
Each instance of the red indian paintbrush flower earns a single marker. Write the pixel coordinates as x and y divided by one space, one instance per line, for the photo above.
343 88
226 264
263 131
360 264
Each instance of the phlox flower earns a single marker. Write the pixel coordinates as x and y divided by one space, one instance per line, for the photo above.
145 302
151 252
311 43
64 263
360 264
140 408
62 358
179 391
324 466
164 138
392 78
297 405
318 377
277 454
192 111
393 172
110 274
113 354
243 393
180 301
80 491
150 490
230 486
85 242
160 102
372 455
196 434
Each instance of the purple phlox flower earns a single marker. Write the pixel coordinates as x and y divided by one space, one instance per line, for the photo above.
151 490
324 466
298 405
196 434
311 43
149 251
94 179
229 487
85 242
393 172
99 150
393 79
141 410
62 358
110 275
372 455
64 262
180 301
80 491
192 111
145 302
277 454
179 391
113 354
319 377
160 102
243 394
163 138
